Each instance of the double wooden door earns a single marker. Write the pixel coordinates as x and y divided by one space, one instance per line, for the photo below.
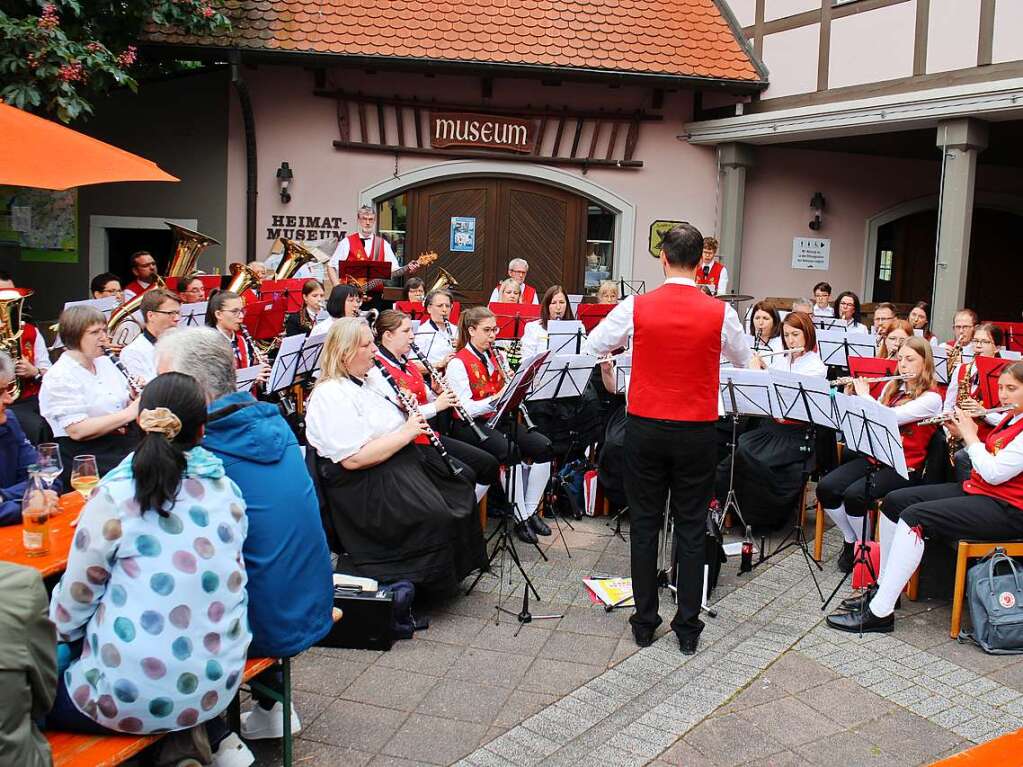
514 219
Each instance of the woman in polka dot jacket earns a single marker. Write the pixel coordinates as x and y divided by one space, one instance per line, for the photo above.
154 592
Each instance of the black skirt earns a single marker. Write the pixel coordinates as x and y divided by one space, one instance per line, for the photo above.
403 519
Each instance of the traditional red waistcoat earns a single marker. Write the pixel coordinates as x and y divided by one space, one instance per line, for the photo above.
1010 491
135 287
676 353
356 251
983 428
481 383
915 437
411 380
29 386
712 278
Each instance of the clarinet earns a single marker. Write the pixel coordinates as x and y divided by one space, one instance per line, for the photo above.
411 406
134 383
260 357
507 373
437 376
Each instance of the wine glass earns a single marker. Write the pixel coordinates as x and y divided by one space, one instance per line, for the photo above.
84 474
50 466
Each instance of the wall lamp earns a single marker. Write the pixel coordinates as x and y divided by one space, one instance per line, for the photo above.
817 204
284 177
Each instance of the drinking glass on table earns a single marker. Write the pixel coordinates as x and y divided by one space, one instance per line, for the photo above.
50 466
84 474
37 506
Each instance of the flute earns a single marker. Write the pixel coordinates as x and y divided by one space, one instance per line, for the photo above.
795 350
950 415
135 383
845 380
506 371
437 376
410 405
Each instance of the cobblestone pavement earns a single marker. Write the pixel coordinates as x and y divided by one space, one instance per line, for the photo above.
770 684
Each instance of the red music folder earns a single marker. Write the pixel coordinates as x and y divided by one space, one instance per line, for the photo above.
590 315
988 370
264 319
413 309
1013 335
290 291
873 367
512 318
209 282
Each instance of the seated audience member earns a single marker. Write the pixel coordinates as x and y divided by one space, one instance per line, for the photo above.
161 310
28 667
191 290
884 313
821 300
30 367
285 544
988 506
153 601
847 308
414 290
85 398
920 319
805 306
107 285
302 321
143 269
16 452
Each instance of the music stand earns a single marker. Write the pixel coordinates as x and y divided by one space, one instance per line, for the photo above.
285 367
565 337
872 430
363 272
245 378
512 319
264 319
623 372
414 309
871 367
988 370
288 291
631 288
830 323
590 315
193 315
836 347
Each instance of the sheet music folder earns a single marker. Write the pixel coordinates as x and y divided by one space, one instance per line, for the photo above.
872 429
562 375
515 391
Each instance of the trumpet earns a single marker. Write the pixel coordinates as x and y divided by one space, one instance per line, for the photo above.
135 384
846 380
437 376
506 371
950 415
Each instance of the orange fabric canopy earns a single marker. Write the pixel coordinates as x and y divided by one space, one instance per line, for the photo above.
43 154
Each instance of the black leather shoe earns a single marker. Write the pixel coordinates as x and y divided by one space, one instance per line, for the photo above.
537 525
845 559
687 644
525 533
863 621
643 637
859 601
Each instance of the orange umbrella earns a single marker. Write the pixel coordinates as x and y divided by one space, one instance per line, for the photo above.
40 153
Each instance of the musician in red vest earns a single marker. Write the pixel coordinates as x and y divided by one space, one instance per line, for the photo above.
364 244
679 335
988 507
712 275
143 268
30 365
518 268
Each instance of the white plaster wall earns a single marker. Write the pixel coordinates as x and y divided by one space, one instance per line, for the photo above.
745 11
953 33
791 58
873 46
1008 38
779 9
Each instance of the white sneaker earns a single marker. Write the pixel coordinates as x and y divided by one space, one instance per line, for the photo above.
233 753
259 723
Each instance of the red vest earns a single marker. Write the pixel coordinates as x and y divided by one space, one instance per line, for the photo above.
983 428
481 383
356 251
135 287
29 386
1010 491
242 356
676 354
411 381
915 437
712 278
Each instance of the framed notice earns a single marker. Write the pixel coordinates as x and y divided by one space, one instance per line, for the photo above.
811 253
42 222
657 230
463 234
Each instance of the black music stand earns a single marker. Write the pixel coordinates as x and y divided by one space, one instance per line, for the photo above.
565 336
631 288
836 347
193 315
872 430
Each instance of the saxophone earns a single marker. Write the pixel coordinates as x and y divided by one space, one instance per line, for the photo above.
962 395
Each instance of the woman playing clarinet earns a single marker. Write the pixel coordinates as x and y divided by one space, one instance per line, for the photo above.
842 492
302 321
987 506
394 517
226 314
765 327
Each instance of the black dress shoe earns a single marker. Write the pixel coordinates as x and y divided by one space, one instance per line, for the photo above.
643 637
687 644
845 559
863 621
857 602
537 525
525 533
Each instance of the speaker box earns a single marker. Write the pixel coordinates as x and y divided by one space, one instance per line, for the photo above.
366 621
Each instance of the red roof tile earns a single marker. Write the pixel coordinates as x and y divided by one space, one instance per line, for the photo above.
673 38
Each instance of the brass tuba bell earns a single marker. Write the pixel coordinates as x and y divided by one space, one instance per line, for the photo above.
295 257
11 325
243 277
445 281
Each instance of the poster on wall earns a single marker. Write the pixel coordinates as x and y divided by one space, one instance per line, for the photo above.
43 223
657 231
463 234
811 253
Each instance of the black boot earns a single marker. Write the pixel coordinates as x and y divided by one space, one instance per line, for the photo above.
537 525
845 559
863 621
525 533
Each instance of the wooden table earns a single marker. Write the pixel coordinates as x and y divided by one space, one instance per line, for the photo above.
61 534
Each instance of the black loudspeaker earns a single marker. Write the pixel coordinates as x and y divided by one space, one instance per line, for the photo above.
366 621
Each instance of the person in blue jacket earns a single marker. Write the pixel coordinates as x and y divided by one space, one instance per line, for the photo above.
290 585
16 452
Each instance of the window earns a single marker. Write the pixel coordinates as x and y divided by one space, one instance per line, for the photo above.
392 216
884 266
599 254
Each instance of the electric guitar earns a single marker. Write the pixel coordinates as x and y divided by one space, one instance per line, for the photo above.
370 286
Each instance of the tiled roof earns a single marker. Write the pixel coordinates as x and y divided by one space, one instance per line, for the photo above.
673 38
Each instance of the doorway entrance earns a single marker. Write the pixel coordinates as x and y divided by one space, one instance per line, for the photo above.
904 262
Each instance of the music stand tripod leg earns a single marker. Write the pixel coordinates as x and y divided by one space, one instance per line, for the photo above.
732 499
862 552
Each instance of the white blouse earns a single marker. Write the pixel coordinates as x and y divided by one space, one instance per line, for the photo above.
70 393
534 339
140 358
926 405
999 467
808 363
436 343
342 416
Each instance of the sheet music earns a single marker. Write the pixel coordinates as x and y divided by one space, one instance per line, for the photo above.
282 374
837 346
623 372
803 398
246 377
565 336
745 392
193 315
562 375
528 366
574 299
872 429
941 371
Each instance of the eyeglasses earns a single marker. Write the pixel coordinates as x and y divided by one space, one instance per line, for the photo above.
963 327
488 328
10 389
235 312
168 312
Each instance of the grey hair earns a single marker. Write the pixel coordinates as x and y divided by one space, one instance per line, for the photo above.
519 262
6 367
365 209
805 301
202 353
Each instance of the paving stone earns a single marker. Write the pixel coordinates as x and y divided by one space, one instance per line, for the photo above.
324 675
845 702
593 621
794 672
1011 676
502 637
423 656
790 722
593 650
383 760
890 733
443 741
845 748
390 688
455 629
520 705
720 741
682 754
467 701
557 677
355 725
490 667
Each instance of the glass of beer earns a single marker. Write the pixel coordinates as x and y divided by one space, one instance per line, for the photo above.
84 474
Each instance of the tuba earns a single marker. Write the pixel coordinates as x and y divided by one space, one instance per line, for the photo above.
243 277
295 257
445 281
11 326
188 246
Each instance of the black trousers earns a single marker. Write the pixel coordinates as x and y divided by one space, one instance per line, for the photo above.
946 511
528 445
484 468
848 485
663 456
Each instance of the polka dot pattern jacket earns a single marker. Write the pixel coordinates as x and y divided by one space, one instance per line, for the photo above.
159 601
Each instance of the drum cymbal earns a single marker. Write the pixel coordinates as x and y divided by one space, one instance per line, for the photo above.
734 297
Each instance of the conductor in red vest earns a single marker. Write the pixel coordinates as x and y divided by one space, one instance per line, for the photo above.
679 334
